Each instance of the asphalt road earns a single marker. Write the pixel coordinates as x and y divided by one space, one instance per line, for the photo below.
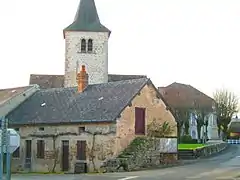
225 166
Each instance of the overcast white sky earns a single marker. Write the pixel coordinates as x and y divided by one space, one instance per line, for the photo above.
195 42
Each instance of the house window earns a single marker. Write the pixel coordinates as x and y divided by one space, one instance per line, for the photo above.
41 129
81 129
16 129
90 45
140 121
83 45
40 149
81 150
16 153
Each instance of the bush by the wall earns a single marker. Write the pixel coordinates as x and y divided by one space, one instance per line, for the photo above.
187 139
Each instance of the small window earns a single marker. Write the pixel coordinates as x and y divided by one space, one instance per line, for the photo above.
90 45
81 129
40 149
16 129
41 129
16 153
83 45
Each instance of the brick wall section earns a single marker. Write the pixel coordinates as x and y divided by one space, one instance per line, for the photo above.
96 62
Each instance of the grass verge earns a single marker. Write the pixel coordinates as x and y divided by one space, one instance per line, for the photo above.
190 146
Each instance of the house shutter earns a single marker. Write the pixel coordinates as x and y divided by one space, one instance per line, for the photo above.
81 150
40 149
140 121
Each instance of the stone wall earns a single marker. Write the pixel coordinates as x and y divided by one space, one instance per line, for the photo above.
102 148
142 153
202 152
96 62
155 109
210 150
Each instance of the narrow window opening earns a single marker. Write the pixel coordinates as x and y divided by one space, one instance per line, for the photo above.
83 45
81 129
90 45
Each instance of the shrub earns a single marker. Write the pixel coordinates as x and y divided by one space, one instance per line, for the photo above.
187 139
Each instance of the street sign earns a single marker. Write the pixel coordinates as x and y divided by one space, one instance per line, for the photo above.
14 140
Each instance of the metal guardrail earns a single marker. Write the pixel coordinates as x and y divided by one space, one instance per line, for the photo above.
233 141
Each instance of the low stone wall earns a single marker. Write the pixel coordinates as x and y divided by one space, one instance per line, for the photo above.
210 150
141 153
202 152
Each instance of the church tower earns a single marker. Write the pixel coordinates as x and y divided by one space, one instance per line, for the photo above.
86 43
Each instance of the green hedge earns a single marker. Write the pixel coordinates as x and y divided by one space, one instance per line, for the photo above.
187 139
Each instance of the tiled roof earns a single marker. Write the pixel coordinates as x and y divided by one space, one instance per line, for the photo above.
181 95
118 77
99 102
7 94
56 81
47 81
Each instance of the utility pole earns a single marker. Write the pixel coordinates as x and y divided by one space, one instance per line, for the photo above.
4 124
5 140
1 148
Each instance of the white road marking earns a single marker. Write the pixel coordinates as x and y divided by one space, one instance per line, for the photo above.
165 172
225 178
213 172
129 177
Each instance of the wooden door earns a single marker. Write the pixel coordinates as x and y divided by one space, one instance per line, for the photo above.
28 153
81 150
65 155
140 121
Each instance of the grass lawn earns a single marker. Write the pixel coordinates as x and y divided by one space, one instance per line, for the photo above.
190 146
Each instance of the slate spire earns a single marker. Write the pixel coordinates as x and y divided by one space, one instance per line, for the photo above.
86 18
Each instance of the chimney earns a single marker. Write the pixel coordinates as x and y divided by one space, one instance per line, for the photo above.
82 79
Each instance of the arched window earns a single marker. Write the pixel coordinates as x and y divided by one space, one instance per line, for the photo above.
83 45
90 45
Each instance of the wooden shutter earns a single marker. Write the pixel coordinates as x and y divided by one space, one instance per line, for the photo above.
81 150
40 149
140 121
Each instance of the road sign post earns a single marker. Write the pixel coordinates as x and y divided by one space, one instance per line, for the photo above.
8 164
10 141
1 148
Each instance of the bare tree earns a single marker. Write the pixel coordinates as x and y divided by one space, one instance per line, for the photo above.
182 118
227 106
201 116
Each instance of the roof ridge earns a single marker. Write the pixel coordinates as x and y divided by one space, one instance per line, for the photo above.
12 88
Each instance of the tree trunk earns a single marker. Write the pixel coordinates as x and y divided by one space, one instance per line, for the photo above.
186 128
199 133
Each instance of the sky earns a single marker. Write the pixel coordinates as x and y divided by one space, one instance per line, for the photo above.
194 42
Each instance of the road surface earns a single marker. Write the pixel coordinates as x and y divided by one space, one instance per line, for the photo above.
225 166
